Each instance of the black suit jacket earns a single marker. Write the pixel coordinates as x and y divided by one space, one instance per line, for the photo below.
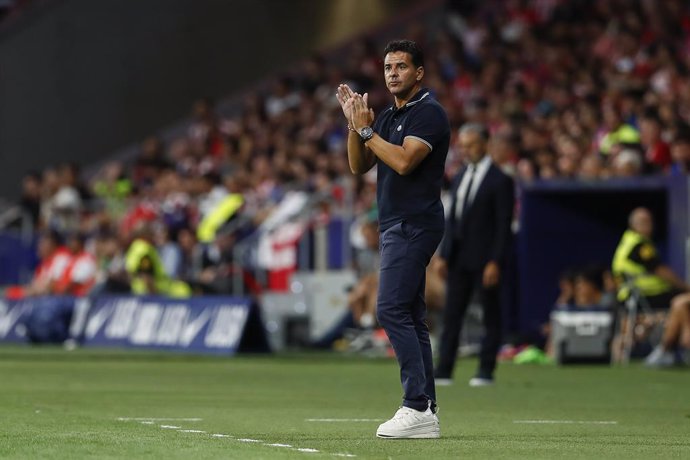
484 231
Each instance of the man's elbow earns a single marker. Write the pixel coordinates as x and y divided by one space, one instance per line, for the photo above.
405 168
359 170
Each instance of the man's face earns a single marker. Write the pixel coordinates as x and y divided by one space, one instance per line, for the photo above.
586 293
643 223
680 151
472 146
400 73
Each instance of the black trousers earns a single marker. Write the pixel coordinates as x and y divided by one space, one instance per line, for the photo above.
462 285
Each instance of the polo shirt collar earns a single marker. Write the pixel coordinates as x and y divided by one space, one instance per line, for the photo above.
419 95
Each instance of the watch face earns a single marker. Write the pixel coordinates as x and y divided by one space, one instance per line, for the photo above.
366 132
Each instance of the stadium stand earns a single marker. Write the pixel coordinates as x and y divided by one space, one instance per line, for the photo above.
571 90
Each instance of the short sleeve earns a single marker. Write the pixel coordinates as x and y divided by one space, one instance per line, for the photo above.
429 124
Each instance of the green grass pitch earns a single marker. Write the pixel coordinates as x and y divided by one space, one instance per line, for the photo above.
117 404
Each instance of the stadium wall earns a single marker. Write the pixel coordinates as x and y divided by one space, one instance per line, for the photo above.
82 78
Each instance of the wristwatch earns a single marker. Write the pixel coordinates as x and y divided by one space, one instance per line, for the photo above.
366 133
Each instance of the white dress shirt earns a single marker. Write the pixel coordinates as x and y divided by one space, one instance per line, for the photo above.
479 170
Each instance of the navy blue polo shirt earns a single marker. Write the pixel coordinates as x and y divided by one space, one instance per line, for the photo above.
416 197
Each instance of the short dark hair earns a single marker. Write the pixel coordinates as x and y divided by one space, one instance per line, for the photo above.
406 46
592 274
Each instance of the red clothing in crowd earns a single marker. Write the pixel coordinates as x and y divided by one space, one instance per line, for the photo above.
79 275
659 154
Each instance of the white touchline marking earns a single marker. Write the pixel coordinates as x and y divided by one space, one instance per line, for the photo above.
158 419
568 422
306 450
343 420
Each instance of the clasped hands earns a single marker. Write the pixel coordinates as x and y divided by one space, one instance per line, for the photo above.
355 108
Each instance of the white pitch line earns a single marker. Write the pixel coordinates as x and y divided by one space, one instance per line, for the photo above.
306 450
328 420
158 419
567 422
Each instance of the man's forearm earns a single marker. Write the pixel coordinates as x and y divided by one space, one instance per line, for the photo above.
360 158
666 273
401 160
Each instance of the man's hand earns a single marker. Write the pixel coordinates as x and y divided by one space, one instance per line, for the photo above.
442 268
345 97
362 115
491 274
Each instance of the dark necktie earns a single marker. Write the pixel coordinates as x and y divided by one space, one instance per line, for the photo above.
460 220
468 192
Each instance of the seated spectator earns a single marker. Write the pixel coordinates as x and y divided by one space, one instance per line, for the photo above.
680 153
657 152
54 259
617 133
145 268
589 289
638 270
80 273
637 265
111 276
627 163
566 286
113 187
583 288
592 168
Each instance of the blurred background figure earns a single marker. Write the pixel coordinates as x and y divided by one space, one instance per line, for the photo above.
474 250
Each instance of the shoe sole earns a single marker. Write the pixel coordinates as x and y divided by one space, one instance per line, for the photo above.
423 432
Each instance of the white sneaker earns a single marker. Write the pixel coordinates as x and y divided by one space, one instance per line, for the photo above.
443 382
481 382
411 424
660 358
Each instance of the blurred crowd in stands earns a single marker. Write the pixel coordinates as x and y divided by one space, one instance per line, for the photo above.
571 90
12 8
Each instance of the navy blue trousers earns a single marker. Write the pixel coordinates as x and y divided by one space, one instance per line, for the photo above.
401 310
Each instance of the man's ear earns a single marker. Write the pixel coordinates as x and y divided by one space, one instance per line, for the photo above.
420 73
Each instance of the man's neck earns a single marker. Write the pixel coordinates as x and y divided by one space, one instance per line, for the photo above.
402 100
476 164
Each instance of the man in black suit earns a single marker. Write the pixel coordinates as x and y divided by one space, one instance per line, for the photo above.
477 235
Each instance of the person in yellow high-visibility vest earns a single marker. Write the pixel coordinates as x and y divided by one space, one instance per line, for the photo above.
636 262
146 272
219 215
618 132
